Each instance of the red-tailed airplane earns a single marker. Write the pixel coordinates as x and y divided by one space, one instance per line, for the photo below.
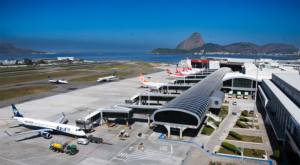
151 84
176 75
193 69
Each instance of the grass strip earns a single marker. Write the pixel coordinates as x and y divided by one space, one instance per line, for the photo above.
95 77
141 70
254 139
151 64
41 76
247 152
23 91
114 67
21 72
247 126
207 130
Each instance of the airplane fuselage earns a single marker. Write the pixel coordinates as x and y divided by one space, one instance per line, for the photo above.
69 129
105 78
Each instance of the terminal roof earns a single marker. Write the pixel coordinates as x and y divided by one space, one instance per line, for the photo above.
292 79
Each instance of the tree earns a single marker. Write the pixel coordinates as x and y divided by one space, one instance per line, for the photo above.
17 62
81 59
27 61
68 60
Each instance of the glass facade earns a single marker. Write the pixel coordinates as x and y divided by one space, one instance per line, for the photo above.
118 115
240 82
290 152
176 117
227 83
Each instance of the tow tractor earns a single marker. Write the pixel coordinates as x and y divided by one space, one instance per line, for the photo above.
142 147
123 133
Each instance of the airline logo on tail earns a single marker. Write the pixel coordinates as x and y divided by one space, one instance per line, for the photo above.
15 111
177 70
49 78
188 67
142 78
184 69
169 72
115 73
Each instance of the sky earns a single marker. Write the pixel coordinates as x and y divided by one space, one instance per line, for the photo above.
143 25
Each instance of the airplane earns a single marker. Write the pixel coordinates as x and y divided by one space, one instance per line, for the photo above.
186 71
44 127
107 78
189 68
176 75
147 83
60 81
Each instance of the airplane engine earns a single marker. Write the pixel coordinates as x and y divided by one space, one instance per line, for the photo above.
46 135
107 80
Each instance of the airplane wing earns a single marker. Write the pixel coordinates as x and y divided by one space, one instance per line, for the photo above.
60 119
28 132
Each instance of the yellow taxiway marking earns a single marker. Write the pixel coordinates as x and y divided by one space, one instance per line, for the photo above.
70 141
7 125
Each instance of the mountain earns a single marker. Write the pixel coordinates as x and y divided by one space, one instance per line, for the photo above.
9 49
194 41
195 44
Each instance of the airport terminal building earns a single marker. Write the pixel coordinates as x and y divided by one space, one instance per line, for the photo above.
280 97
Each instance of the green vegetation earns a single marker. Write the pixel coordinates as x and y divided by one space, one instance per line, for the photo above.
242 125
215 163
41 76
21 68
247 152
226 102
23 91
244 113
14 73
277 154
231 147
255 139
151 64
223 112
247 126
114 67
141 70
95 77
207 130
236 135
217 123
244 119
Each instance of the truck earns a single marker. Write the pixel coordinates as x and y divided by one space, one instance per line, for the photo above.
123 133
93 139
246 95
230 94
239 95
58 146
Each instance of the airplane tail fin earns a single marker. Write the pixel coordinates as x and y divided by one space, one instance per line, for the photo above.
169 72
49 77
183 69
177 70
142 78
15 111
115 73
188 67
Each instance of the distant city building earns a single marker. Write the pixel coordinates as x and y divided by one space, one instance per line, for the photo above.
65 58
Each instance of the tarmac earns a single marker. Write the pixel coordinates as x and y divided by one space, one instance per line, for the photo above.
33 149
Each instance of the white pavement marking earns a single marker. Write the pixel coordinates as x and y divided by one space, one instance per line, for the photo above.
149 154
12 161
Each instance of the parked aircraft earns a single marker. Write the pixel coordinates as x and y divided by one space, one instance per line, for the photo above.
44 127
107 78
194 69
151 84
60 81
176 75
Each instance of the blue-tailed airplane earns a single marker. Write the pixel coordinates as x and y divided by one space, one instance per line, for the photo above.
44 127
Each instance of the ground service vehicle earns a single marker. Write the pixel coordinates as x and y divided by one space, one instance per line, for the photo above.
82 141
230 94
58 146
239 95
93 139
246 95
234 103
123 133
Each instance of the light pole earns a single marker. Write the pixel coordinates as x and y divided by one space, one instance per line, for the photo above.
149 90
255 98
242 153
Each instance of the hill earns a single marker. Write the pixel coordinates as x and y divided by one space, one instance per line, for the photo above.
194 41
9 49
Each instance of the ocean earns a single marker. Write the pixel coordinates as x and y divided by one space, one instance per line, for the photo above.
136 56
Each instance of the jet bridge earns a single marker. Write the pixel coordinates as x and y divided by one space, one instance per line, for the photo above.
175 87
187 81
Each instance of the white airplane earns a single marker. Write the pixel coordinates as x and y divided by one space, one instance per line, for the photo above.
151 84
185 71
177 75
107 78
44 127
194 69
60 81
